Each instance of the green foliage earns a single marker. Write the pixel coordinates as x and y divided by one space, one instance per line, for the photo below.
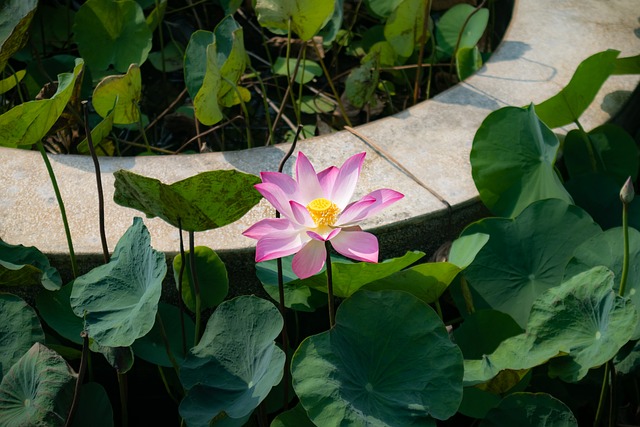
19 330
452 33
307 70
14 27
527 150
362 82
27 123
530 410
120 94
217 379
119 300
304 17
37 390
212 278
389 366
203 202
26 266
112 33
94 407
406 28
55 309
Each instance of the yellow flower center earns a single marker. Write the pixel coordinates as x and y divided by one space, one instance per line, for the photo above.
323 211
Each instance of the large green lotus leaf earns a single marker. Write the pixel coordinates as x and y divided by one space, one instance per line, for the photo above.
404 29
512 161
152 348
606 249
55 309
296 296
530 410
476 403
388 361
451 27
202 202
306 17
212 278
112 33
607 149
628 65
27 123
307 70
483 331
527 255
120 94
119 300
94 407
37 390
170 59
207 109
19 330
349 276
156 16
425 281
583 320
627 361
231 59
217 379
567 105
25 266
14 27
293 417
362 82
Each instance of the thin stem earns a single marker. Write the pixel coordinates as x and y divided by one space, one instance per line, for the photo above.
453 57
264 97
142 131
81 372
96 165
167 388
291 78
588 146
122 386
196 285
466 294
167 346
332 312
423 42
343 111
603 392
63 212
243 106
625 260
180 302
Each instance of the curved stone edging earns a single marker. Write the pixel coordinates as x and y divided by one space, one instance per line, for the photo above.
539 53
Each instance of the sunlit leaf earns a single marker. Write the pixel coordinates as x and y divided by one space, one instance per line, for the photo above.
216 379
405 27
382 8
27 123
362 82
307 70
307 16
202 202
102 145
112 33
315 104
468 61
212 278
583 320
156 16
26 266
11 81
14 27
388 361
568 105
123 91
37 390
512 161
119 300
530 410
19 330
628 65
451 30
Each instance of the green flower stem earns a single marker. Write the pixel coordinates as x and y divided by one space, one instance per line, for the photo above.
243 106
588 146
196 286
625 260
142 131
343 111
167 388
332 311
167 346
122 386
466 294
423 42
63 212
603 392
81 372
180 302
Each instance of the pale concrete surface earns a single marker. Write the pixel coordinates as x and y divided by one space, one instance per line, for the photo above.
543 46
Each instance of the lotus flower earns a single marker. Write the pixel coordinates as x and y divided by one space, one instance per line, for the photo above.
316 208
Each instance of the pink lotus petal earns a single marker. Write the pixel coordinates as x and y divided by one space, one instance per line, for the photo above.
345 183
301 214
320 237
327 180
276 196
280 244
307 180
353 211
373 203
288 185
268 226
358 245
309 260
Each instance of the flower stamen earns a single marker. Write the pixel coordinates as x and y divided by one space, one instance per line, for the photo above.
323 211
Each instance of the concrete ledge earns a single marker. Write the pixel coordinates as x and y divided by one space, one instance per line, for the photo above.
543 45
